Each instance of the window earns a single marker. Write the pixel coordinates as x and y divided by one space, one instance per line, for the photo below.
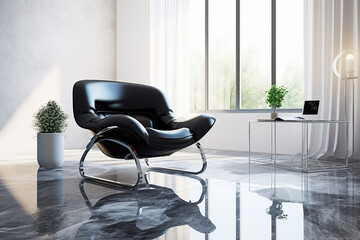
255 53
290 50
197 55
222 54
240 48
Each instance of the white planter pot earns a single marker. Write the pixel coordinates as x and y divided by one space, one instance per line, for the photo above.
273 115
50 150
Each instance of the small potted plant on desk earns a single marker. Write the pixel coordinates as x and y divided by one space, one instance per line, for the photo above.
275 97
50 122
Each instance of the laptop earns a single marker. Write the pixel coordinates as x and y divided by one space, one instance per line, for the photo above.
310 109
309 112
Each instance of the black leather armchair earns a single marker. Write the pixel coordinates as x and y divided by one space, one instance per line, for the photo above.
133 121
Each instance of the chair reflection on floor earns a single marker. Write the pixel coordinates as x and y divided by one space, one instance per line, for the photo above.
147 212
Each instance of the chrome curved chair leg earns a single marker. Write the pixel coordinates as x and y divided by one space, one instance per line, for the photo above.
108 181
181 171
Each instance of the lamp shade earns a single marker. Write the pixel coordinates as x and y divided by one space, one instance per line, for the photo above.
347 59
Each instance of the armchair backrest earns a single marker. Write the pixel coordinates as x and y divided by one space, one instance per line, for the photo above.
105 98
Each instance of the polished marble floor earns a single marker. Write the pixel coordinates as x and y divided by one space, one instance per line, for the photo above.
231 200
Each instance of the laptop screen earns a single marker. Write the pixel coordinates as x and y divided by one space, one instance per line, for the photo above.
311 107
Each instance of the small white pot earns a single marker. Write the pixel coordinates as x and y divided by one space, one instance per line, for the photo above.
273 115
50 150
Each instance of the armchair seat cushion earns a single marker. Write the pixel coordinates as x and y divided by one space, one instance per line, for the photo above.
170 138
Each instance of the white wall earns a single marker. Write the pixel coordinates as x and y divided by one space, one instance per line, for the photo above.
133 41
45 47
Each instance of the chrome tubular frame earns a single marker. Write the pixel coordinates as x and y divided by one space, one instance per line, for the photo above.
95 139
180 171
148 185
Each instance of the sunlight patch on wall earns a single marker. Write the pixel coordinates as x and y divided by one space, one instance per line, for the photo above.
17 135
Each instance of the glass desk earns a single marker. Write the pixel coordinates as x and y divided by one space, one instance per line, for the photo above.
304 165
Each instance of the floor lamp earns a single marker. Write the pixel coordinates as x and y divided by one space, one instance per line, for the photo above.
350 76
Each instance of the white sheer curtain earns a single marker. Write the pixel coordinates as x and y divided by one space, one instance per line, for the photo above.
169 58
331 26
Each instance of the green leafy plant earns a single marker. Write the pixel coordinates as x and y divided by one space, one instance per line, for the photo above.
275 96
50 118
276 210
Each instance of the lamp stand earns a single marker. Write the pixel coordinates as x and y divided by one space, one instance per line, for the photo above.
351 77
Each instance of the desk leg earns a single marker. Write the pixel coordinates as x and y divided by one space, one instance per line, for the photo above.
347 143
306 146
271 142
249 142
275 142
302 144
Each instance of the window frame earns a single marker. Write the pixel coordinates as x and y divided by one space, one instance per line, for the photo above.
237 74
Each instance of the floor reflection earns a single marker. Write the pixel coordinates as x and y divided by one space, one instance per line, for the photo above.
250 215
50 201
229 201
328 202
143 213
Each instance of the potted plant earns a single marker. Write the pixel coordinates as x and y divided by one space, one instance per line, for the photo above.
50 122
275 97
